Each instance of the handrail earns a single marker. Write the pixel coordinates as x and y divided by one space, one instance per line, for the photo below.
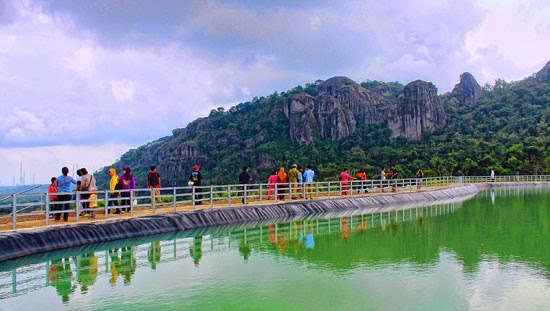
22 192
191 196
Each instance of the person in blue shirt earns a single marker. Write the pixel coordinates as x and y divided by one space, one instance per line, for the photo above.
64 188
308 182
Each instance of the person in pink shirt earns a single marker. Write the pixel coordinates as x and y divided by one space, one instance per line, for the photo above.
344 177
271 181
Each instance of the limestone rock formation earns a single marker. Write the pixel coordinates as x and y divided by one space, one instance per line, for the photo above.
342 107
418 110
544 74
467 91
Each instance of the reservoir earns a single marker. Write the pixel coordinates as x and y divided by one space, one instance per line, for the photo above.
489 252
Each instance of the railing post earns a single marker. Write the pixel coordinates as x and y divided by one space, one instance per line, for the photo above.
174 200
193 196
228 195
107 197
211 196
132 202
47 209
77 206
261 193
14 210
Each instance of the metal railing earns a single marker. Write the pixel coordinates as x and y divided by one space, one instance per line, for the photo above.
173 199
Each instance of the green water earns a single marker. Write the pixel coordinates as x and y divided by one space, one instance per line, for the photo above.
488 253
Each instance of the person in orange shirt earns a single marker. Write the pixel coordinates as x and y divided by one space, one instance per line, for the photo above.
362 176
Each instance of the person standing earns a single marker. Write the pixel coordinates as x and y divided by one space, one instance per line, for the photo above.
196 179
308 181
64 187
244 179
271 182
383 179
281 183
293 180
113 196
128 183
344 177
393 175
153 183
419 176
52 189
362 176
88 187
492 175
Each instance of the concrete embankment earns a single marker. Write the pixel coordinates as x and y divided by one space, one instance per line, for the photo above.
21 243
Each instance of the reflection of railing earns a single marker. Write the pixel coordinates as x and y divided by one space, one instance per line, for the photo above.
188 197
26 279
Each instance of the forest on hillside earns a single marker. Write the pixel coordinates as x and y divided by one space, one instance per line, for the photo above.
506 130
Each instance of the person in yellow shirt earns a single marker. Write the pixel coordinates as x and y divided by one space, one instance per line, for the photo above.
113 196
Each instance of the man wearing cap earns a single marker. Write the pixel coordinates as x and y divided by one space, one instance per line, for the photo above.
293 179
196 179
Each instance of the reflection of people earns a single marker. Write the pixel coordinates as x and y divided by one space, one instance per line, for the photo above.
115 265
344 232
127 263
309 241
60 277
86 271
245 249
195 179
196 250
272 235
153 254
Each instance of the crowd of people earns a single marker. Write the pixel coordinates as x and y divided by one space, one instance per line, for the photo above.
296 183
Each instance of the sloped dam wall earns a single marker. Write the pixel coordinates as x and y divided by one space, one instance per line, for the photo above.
15 244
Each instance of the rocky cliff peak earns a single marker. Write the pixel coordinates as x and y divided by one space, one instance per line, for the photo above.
418 110
544 74
467 91
342 106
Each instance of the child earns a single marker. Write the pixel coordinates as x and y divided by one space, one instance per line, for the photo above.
53 189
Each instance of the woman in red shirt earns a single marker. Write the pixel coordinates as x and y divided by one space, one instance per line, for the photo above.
344 177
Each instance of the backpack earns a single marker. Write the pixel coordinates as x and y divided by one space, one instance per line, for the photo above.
153 179
243 178
118 186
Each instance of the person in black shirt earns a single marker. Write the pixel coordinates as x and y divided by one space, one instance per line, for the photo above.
195 179
244 178
393 175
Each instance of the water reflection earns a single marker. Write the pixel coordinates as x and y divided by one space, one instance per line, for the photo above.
474 232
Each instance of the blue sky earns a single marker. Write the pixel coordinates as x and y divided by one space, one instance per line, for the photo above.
81 82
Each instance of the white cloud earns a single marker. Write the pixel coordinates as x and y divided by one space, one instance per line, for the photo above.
65 80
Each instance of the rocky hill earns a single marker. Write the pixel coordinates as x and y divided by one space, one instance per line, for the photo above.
338 122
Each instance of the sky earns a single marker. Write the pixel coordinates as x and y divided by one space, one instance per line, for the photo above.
83 81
